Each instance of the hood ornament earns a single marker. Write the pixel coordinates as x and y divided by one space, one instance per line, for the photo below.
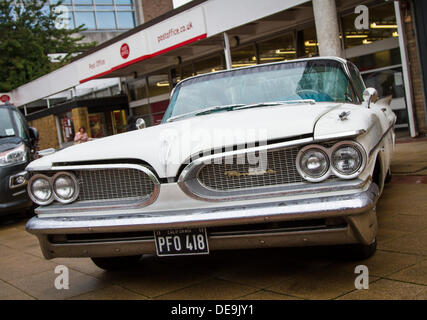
344 115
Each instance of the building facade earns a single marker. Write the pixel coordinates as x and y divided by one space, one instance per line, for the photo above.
202 36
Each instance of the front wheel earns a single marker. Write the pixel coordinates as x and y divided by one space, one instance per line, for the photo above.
388 176
116 263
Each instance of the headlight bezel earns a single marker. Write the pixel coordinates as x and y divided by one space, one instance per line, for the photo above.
361 152
329 152
31 194
76 187
304 174
53 196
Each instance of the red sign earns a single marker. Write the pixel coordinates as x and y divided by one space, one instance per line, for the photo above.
4 98
124 50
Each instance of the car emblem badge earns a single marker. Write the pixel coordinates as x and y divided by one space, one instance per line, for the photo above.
251 172
344 115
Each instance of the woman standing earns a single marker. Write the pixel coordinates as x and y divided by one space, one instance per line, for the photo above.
81 136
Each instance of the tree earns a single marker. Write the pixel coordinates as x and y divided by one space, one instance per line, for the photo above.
29 32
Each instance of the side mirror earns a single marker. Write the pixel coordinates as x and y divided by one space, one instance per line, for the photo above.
370 95
140 123
34 134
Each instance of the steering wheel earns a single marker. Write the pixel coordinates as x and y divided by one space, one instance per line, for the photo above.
306 92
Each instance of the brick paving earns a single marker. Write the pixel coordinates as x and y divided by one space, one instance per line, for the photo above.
398 270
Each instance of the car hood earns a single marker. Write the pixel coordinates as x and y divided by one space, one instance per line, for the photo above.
9 143
165 147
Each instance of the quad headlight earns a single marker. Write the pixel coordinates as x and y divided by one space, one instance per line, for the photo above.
345 160
65 187
62 187
40 189
313 163
348 159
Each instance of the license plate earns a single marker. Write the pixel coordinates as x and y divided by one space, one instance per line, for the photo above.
181 242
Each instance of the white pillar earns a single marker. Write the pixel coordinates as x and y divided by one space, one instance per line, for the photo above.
58 131
227 52
73 92
326 20
405 69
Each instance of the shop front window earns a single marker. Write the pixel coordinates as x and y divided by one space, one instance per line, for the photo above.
383 71
67 127
277 49
98 126
158 110
244 56
144 112
158 84
138 89
382 25
98 14
380 59
211 64
119 123
185 71
308 43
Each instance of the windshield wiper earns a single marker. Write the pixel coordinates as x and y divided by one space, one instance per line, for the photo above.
205 111
6 136
237 106
274 103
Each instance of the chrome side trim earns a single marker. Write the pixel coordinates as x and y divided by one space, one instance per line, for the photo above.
347 134
381 139
228 154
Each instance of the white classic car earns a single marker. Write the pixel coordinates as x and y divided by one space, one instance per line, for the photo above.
293 153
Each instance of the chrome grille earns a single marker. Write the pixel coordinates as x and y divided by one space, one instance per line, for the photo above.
280 169
114 183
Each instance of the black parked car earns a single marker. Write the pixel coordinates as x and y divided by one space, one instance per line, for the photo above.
17 149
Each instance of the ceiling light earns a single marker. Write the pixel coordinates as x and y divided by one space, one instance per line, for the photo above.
383 26
356 36
279 51
238 65
310 44
162 84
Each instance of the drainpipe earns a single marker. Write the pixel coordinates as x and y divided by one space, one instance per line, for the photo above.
405 69
227 51
326 20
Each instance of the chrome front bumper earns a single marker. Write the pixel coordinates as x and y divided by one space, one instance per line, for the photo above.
357 209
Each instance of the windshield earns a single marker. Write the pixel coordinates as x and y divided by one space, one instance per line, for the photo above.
6 124
318 80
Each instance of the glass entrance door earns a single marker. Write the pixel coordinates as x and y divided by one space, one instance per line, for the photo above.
118 118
